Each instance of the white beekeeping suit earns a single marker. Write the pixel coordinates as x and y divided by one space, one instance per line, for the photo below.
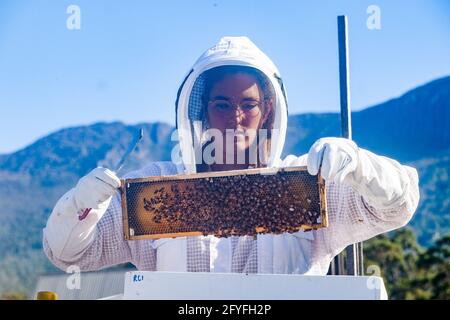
367 195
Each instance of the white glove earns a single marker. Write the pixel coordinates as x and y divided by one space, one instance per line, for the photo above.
71 226
335 157
382 182
95 188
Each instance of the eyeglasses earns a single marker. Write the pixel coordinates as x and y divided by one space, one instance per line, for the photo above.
250 108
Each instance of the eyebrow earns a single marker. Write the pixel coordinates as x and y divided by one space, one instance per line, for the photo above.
228 99
220 98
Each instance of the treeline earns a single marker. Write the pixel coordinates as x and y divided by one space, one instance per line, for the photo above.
409 270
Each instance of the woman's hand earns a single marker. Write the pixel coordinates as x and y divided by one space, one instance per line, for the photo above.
94 190
335 158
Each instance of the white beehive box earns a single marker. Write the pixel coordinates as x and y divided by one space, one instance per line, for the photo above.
236 286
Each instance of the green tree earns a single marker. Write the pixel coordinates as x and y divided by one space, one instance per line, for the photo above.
410 271
396 255
435 267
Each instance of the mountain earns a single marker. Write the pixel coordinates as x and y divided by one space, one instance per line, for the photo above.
406 128
412 128
432 218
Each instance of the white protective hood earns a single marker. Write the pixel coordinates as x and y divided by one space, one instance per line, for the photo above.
228 51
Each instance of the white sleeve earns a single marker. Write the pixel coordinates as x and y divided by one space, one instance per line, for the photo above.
65 234
97 241
105 245
352 219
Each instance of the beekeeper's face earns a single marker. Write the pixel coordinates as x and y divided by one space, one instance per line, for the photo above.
236 102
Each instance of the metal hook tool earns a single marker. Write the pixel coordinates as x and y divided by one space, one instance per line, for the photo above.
131 148
119 166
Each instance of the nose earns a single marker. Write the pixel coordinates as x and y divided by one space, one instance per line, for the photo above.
237 117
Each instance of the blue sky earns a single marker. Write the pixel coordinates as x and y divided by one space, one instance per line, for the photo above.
128 58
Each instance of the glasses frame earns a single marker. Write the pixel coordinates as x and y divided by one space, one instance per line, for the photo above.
234 105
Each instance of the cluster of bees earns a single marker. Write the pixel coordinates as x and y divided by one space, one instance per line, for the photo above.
233 205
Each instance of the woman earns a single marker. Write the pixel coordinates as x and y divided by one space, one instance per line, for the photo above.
234 86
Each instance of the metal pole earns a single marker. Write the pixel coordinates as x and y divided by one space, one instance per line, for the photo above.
344 78
353 252
360 255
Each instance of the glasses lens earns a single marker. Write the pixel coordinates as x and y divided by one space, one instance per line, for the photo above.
224 107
